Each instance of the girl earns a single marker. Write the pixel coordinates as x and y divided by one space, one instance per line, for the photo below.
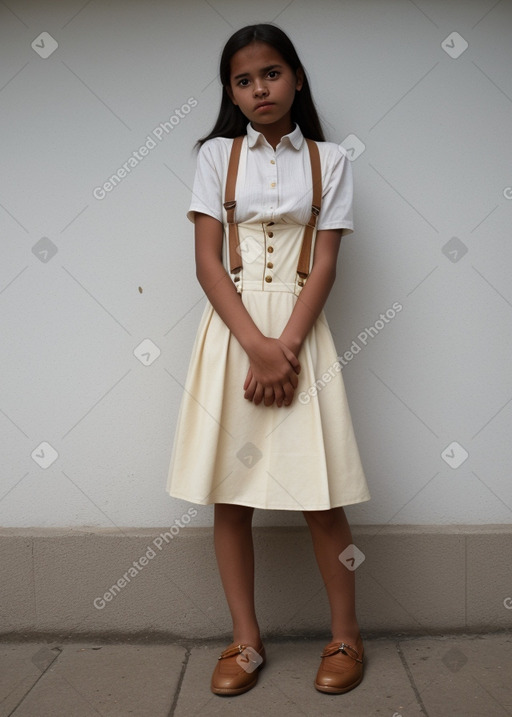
264 420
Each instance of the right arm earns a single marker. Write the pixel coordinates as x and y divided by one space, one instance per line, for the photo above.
274 366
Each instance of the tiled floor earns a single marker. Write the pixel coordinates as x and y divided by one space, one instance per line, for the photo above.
404 677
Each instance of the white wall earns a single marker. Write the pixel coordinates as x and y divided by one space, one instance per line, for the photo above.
437 165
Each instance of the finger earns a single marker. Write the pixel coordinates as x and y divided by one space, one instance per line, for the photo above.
269 396
291 357
249 391
289 392
248 378
294 380
258 394
279 394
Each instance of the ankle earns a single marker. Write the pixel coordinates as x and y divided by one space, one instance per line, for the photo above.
247 637
349 634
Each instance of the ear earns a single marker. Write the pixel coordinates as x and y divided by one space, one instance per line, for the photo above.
300 78
229 93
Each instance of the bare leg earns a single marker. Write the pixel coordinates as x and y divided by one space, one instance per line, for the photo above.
235 558
331 534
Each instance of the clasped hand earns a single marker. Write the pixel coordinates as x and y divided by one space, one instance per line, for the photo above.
273 373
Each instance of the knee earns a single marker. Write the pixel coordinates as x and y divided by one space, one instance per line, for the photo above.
324 519
233 514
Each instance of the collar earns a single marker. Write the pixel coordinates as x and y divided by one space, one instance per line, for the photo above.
295 138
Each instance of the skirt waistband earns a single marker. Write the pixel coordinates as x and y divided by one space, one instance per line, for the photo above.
252 285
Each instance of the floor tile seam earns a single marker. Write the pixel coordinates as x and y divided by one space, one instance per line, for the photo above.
493 697
177 691
412 681
34 684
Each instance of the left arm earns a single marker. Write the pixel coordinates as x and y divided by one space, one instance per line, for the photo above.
311 299
337 194
313 296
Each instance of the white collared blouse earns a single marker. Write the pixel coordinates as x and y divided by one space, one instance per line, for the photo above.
277 184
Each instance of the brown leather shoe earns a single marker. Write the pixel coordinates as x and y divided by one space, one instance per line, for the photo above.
237 669
341 668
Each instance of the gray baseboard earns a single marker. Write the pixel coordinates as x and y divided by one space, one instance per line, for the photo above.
68 583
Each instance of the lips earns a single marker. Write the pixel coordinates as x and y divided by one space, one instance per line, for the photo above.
263 105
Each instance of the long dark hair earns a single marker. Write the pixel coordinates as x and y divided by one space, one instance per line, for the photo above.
231 122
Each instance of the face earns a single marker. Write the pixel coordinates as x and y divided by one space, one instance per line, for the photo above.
263 85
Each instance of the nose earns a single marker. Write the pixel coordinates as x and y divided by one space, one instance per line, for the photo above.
260 89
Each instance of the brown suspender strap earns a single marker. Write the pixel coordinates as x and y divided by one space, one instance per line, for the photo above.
305 252
235 257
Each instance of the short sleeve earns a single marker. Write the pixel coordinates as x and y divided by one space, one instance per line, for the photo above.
207 188
338 191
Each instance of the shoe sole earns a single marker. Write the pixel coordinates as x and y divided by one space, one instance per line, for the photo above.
227 691
338 690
